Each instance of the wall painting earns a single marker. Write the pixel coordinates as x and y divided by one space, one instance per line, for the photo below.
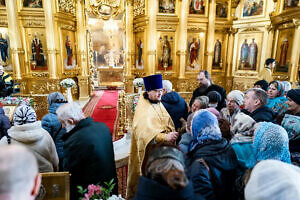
167 6
221 10
195 51
36 47
290 4
2 3
252 8
5 56
32 3
197 7
139 62
165 52
68 49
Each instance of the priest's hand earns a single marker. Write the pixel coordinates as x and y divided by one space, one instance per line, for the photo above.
172 136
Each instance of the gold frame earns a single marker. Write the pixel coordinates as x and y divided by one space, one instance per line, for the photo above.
160 37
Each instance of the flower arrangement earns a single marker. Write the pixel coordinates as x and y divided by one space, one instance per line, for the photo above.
67 83
138 82
96 192
16 100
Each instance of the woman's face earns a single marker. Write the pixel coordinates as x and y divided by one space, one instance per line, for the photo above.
196 106
273 91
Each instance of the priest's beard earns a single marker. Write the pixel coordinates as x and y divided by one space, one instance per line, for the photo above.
69 126
203 88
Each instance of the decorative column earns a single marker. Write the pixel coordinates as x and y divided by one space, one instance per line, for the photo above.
231 33
129 46
182 37
270 42
295 53
151 37
49 7
17 53
83 78
211 34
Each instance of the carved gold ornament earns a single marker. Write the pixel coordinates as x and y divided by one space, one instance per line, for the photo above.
67 6
105 9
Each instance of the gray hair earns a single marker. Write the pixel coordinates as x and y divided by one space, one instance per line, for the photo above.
204 101
18 170
167 85
259 94
70 111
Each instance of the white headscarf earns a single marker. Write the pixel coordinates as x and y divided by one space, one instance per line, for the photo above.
273 180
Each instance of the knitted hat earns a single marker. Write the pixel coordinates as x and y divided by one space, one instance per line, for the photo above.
236 95
294 94
56 97
153 82
269 61
214 97
263 84
24 114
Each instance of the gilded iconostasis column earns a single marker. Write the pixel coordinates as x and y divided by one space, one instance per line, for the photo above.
151 37
232 32
182 43
211 34
49 7
82 52
15 39
129 45
295 53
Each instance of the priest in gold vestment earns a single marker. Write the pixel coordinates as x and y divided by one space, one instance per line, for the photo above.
152 124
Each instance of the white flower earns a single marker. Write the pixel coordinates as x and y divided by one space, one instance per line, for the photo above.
67 83
115 197
138 82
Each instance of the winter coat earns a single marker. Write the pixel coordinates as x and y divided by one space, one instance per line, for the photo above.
89 155
176 107
223 166
185 142
212 87
4 123
51 124
152 190
33 136
263 114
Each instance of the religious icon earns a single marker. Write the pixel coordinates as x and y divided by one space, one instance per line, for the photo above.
253 8
165 61
32 3
197 7
139 62
167 6
217 54
2 3
290 3
283 52
69 61
37 57
194 48
221 10
4 50
253 54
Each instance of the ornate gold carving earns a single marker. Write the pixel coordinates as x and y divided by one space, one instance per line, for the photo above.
52 51
105 8
179 52
138 7
195 29
122 113
67 6
34 23
68 27
40 74
296 22
3 23
166 27
235 3
151 52
71 73
251 29
16 51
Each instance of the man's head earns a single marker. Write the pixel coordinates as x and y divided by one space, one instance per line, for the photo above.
69 115
293 101
255 98
19 173
154 87
167 86
204 79
270 63
263 84
1 70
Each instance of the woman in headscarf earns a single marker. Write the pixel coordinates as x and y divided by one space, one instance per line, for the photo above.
242 141
276 100
29 132
51 123
273 180
211 162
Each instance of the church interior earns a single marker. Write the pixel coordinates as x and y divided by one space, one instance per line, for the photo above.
104 45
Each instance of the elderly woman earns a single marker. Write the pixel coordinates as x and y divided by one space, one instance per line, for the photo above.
276 100
233 102
51 123
200 103
211 162
29 132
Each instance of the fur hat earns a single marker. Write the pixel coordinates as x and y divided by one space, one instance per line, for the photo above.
236 95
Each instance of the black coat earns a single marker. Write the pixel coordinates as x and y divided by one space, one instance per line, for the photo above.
151 190
89 155
224 168
4 123
263 114
176 107
212 87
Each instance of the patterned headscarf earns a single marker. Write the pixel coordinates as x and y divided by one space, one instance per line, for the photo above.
291 123
243 124
56 97
24 114
205 127
271 142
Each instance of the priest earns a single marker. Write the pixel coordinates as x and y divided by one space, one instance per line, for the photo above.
151 125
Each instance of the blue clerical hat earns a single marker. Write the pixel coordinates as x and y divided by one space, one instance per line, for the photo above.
153 82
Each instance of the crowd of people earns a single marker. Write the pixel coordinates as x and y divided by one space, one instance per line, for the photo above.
243 145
